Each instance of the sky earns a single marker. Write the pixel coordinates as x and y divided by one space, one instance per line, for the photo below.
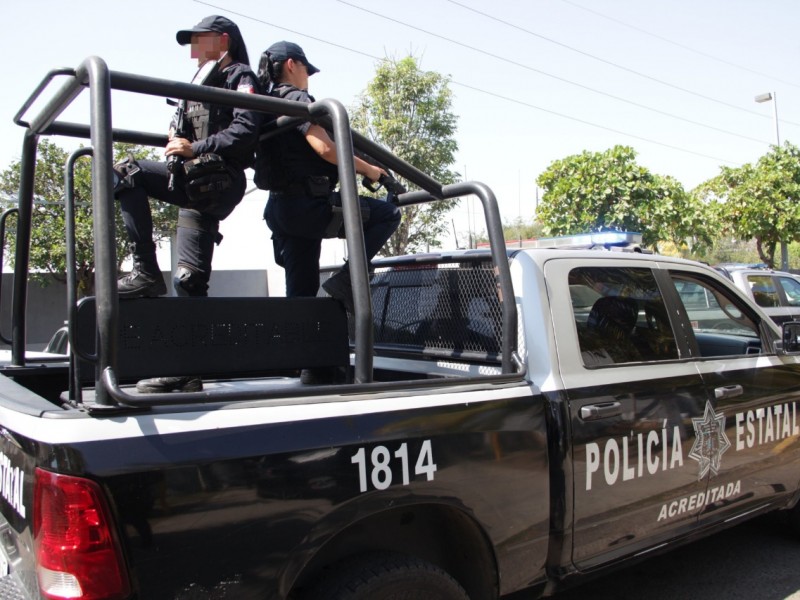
533 81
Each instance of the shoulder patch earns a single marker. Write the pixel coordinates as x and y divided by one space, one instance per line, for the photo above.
247 88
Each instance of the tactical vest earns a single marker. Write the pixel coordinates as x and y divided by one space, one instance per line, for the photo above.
198 115
269 169
205 119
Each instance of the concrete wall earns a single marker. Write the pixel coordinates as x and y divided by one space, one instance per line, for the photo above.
46 310
47 305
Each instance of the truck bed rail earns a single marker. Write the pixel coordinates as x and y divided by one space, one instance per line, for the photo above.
94 74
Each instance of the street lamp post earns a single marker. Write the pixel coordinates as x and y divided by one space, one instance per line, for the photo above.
774 98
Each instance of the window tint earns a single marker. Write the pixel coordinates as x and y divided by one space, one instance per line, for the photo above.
763 289
620 316
791 288
719 325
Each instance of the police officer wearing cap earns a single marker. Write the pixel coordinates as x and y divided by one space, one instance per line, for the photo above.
220 137
300 211
229 133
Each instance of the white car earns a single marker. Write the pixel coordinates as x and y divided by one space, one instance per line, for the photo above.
777 292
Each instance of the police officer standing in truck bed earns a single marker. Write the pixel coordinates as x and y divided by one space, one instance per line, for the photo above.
207 190
215 145
300 210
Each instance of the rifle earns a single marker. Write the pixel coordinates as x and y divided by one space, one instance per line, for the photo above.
173 160
389 182
393 187
207 71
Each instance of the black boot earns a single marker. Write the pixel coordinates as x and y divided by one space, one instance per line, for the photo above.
160 385
339 288
322 376
145 279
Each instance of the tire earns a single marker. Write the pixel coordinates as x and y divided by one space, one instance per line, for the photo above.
794 519
387 576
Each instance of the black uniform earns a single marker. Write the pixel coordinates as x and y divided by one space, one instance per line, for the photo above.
299 210
232 134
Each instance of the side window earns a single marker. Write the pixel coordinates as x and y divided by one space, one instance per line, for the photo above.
694 296
791 287
620 316
720 326
763 289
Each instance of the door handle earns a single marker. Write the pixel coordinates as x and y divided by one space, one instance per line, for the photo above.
593 412
728 391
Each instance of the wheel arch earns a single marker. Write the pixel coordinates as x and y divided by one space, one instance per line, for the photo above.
426 530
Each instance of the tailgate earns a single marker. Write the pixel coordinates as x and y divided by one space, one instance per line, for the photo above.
17 564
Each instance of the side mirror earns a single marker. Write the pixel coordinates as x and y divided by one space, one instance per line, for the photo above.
791 337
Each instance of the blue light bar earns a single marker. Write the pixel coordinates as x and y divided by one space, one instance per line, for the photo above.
589 240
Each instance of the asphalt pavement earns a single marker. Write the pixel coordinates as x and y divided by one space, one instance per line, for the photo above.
757 560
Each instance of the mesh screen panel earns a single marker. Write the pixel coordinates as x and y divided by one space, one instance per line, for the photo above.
447 308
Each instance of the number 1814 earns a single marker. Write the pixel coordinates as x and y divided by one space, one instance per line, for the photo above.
379 471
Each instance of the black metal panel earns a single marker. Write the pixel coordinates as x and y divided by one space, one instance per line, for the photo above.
220 336
449 309
275 493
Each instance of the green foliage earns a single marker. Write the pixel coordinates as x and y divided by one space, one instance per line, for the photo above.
516 230
408 111
595 190
522 229
48 231
758 201
726 250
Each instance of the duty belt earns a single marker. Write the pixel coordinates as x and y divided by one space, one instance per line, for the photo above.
293 189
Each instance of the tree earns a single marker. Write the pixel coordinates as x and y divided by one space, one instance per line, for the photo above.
595 190
522 229
48 230
759 201
517 230
408 111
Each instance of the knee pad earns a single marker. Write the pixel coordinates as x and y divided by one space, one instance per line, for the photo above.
124 172
188 282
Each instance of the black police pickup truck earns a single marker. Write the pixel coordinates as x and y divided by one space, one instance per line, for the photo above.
511 421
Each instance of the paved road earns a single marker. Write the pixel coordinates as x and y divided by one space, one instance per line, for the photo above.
759 560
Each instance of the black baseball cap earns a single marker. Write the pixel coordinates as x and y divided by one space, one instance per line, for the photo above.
280 51
214 23
218 24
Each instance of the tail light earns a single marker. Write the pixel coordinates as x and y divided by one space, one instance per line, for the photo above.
78 554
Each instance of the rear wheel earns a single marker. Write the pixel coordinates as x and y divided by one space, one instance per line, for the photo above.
388 576
794 519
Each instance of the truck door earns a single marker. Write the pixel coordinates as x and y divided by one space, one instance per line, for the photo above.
746 438
631 397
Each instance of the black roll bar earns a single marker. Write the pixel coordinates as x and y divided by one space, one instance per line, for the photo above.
367 146
354 235
94 74
38 91
72 278
105 258
22 251
3 218
128 136
494 229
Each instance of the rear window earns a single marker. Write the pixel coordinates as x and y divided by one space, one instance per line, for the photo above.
791 287
763 289
449 308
